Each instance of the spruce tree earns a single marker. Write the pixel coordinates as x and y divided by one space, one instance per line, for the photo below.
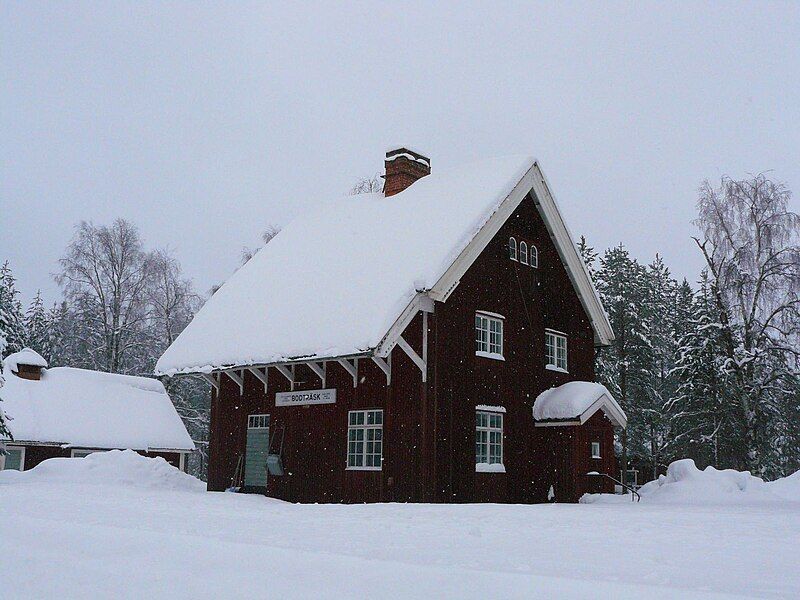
11 319
37 324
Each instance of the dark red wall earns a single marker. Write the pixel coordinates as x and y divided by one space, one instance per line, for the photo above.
429 429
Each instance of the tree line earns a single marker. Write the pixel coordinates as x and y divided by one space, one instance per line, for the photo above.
710 372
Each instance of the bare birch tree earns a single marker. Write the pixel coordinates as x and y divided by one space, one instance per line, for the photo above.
750 241
108 268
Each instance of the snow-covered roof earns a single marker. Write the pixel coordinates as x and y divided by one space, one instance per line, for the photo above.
336 281
76 407
577 401
24 357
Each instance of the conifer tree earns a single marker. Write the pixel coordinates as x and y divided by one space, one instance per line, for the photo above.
11 319
37 335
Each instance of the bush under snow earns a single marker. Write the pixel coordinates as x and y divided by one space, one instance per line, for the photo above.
117 467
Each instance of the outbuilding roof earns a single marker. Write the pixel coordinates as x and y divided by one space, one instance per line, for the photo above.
576 402
90 409
336 281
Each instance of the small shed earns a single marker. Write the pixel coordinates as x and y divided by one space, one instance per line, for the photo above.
68 412
578 417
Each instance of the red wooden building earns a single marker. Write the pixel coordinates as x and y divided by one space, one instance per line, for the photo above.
68 413
396 347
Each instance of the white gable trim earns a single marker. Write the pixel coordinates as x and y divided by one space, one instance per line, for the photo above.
533 181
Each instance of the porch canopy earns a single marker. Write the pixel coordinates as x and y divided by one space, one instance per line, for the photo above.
574 403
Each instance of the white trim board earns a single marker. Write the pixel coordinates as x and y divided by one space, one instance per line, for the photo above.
534 181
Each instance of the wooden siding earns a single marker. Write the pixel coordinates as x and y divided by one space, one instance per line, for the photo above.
429 428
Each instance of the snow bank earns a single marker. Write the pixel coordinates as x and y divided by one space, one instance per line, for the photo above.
685 484
787 487
116 467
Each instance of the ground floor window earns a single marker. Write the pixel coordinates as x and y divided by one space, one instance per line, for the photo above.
14 458
365 439
488 438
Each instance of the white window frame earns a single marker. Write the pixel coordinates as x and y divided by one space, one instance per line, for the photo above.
533 256
21 457
553 360
485 462
512 248
258 421
366 428
489 348
595 450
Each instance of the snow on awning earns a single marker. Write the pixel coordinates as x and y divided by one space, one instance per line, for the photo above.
575 403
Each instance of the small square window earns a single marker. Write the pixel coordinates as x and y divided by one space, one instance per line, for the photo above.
596 450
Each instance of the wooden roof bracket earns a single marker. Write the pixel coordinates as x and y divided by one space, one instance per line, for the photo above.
350 368
262 377
210 378
237 378
385 365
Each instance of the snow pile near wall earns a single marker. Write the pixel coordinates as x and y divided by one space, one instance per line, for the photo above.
787 487
684 483
116 467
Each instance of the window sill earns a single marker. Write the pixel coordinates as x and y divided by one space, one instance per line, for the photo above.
490 468
555 368
363 468
597 457
492 355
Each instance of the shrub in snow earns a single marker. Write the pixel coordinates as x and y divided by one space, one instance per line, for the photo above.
116 467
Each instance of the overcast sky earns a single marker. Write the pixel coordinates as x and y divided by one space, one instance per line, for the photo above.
203 124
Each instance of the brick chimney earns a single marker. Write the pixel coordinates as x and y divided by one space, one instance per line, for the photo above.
403 167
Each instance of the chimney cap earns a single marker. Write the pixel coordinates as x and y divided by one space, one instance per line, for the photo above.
407 153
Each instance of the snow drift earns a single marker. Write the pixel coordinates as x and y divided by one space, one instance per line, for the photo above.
685 484
116 467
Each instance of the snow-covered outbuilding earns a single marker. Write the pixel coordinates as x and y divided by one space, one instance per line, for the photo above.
67 412
389 347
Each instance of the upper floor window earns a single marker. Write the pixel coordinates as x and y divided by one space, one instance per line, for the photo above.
488 440
523 253
512 248
489 335
533 256
365 440
555 350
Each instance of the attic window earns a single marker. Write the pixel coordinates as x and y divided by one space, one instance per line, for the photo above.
533 257
512 248
523 253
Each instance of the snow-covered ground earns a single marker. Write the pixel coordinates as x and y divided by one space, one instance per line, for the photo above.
118 525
